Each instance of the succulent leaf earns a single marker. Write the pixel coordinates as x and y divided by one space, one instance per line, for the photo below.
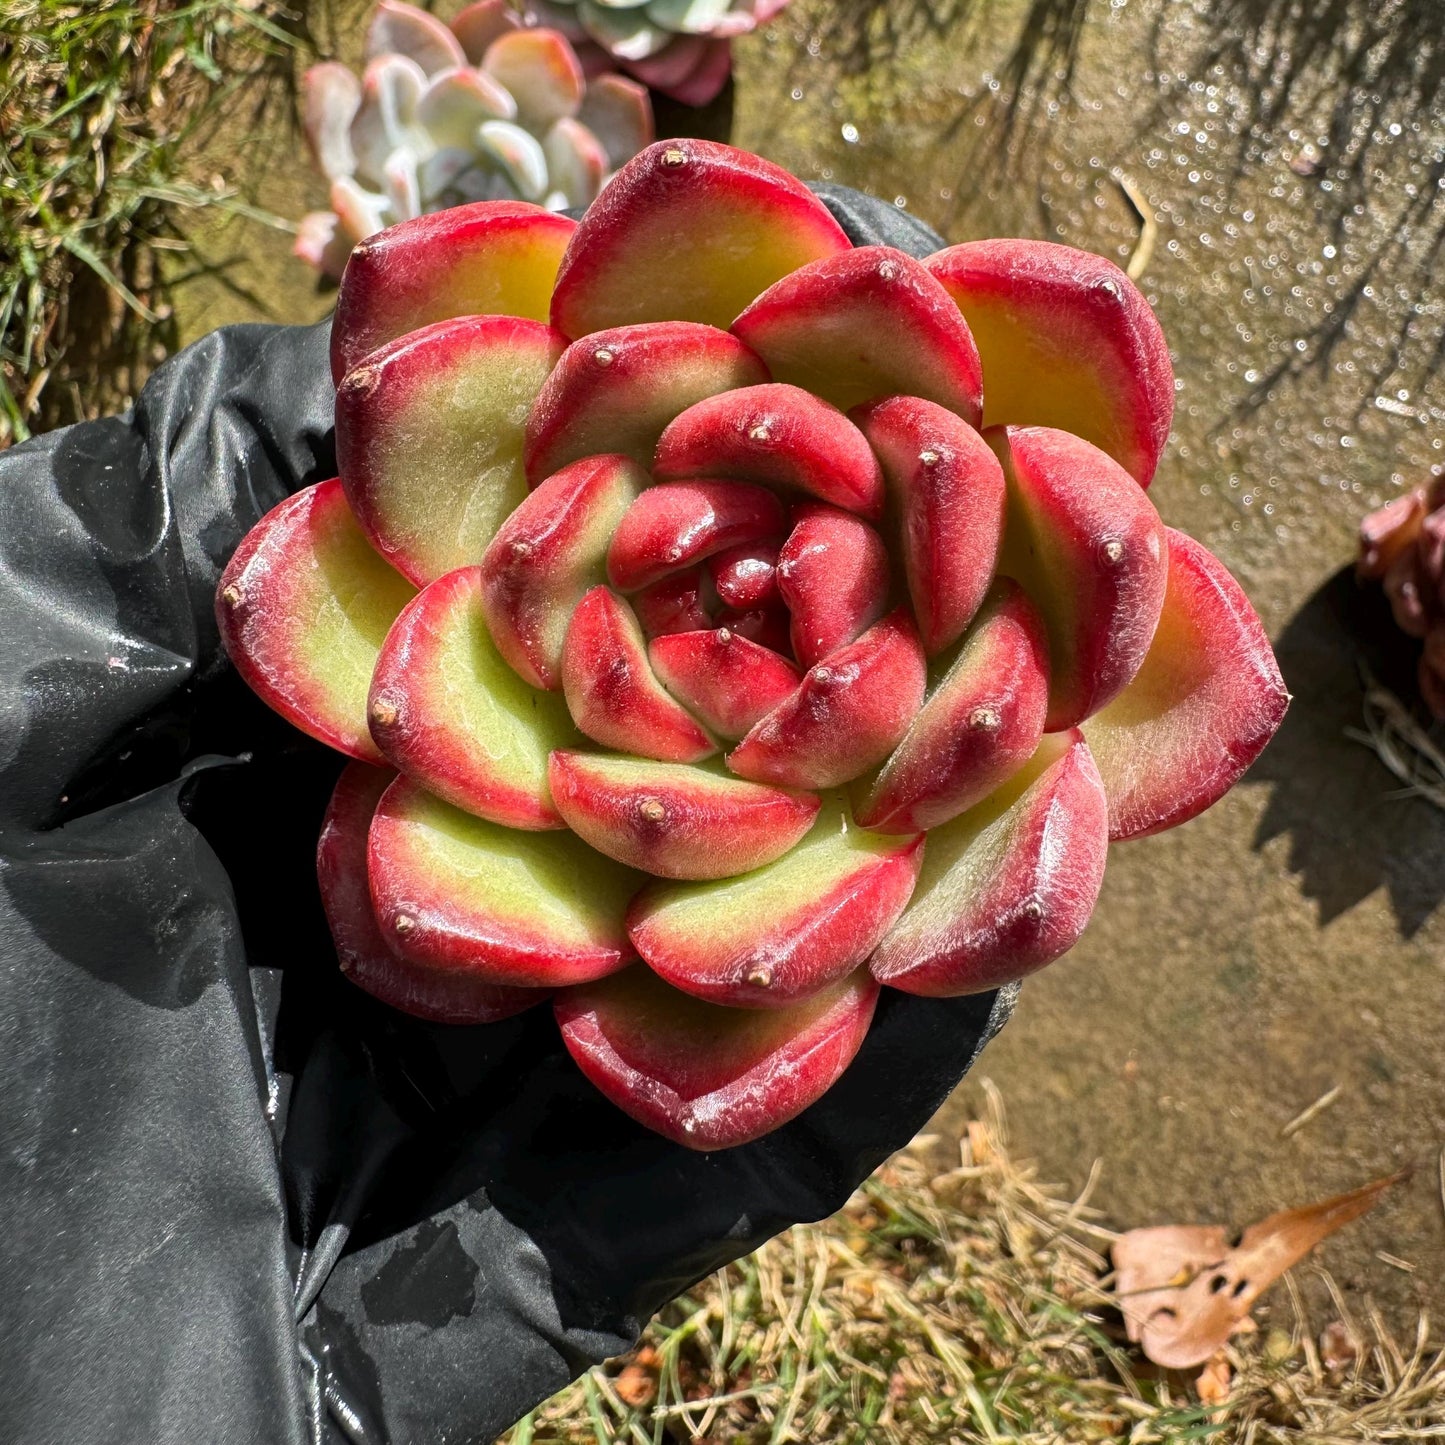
1201 708
704 1076
446 996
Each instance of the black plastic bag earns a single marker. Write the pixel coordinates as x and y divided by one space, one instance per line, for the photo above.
243 1201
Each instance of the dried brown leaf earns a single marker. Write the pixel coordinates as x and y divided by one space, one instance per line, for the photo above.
1184 1290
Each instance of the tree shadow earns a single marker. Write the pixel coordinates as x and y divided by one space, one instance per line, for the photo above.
1350 831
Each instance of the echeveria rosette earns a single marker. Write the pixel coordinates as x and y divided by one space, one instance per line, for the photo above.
483 109
682 48
729 621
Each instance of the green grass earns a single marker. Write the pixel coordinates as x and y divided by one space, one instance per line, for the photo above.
103 107
968 1306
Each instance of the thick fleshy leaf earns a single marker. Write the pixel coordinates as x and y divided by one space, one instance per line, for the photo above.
429 437
612 692
443 995
397 28
477 25
846 715
679 524
782 932
746 576
447 710
519 156
386 120
330 97
980 724
548 555
833 576
688 231
619 113
1039 310
1091 552
673 605
303 607
359 213
670 66
674 820
723 678
541 71
864 324
617 390
1010 885
779 436
691 17
529 910
457 104
490 258
708 1077
576 162
704 79
623 30
947 491
1207 699
321 243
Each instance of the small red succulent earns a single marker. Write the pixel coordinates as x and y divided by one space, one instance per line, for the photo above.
1402 545
750 620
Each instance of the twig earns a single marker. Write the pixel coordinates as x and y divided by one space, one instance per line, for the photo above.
1305 1115
1148 224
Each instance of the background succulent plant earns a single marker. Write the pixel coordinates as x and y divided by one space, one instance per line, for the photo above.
1402 545
672 573
483 109
682 48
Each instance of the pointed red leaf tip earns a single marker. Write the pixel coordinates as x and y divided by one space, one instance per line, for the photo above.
1090 550
612 692
833 575
845 717
1200 710
491 258
303 607
548 555
979 725
726 680
747 576
782 932
458 895
429 438
779 436
767 626
948 490
442 996
447 710
688 231
616 390
674 820
681 523
867 323
708 1077
1037 309
673 605
1009 886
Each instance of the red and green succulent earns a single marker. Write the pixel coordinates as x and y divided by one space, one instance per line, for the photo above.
728 621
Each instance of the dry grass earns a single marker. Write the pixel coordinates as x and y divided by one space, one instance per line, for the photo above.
103 106
961 1307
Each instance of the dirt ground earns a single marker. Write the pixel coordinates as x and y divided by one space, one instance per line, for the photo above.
1290 942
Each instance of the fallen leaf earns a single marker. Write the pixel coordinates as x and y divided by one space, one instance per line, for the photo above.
1184 1289
1213 1383
1338 1347
635 1387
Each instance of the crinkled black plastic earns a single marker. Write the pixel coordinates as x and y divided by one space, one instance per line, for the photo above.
242 1201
